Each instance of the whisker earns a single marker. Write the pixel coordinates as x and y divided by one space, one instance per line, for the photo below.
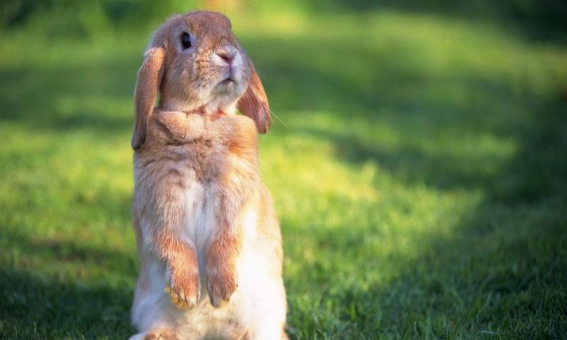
281 121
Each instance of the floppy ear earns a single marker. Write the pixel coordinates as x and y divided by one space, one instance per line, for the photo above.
147 86
254 102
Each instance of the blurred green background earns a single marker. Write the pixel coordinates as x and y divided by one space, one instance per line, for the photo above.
418 163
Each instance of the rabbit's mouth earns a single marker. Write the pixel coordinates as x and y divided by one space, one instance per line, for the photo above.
229 80
226 87
230 86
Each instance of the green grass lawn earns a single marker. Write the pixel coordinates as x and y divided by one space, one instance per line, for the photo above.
418 167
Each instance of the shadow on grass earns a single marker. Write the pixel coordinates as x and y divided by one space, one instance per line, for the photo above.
491 110
501 273
93 97
542 20
36 308
386 84
37 305
67 251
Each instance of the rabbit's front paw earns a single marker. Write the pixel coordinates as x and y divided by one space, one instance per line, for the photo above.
222 282
184 288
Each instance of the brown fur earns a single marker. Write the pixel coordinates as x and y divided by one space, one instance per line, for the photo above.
176 151
146 92
222 151
184 281
214 29
254 103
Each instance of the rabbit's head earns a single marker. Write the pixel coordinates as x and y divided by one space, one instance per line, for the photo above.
196 63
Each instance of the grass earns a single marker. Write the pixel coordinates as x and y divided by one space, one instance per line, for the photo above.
420 179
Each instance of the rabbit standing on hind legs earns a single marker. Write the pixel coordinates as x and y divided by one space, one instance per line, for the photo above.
204 221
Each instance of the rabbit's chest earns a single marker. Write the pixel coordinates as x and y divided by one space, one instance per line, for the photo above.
193 198
197 208
180 190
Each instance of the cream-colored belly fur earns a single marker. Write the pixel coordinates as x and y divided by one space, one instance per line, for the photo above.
255 311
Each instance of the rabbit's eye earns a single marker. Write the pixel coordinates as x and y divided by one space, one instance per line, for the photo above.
185 41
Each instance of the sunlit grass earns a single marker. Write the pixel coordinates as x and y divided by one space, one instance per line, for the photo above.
418 177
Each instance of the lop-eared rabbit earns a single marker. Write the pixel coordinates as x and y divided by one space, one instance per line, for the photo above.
208 239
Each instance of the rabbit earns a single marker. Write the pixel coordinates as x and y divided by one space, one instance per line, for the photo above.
209 242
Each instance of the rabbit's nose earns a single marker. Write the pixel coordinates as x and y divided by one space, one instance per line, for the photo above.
228 57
